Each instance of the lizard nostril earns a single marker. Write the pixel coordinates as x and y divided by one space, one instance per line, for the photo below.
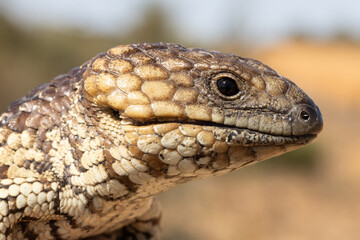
307 119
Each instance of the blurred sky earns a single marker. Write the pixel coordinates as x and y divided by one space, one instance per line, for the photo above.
203 21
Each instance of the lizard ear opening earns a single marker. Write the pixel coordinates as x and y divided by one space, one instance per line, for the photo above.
226 85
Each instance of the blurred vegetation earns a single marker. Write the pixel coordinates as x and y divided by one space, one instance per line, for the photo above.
29 58
32 57
155 26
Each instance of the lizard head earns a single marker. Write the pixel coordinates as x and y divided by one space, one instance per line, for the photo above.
196 112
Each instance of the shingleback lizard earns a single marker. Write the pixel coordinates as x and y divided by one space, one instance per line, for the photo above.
84 155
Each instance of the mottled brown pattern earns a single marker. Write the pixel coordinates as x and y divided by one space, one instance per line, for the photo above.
84 155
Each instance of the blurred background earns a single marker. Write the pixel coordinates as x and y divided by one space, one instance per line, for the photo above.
312 193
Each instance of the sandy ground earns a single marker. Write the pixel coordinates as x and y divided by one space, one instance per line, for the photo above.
288 204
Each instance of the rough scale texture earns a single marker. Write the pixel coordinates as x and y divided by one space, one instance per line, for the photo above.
84 155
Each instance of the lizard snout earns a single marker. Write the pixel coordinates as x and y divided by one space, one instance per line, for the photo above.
306 119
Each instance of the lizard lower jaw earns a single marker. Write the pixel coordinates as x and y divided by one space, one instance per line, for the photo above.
246 137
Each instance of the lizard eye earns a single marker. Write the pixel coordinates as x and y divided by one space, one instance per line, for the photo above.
227 86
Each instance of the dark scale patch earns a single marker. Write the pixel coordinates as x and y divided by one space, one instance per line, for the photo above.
90 115
28 219
49 93
156 166
56 118
76 73
39 144
4 132
205 152
230 113
81 168
264 140
45 108
69 219
64 87
41 134
12 205
221 134
72 138
46 147
253 153
195 73
27 164
132 187
42 166
34 120
233 137
56 200
108 158
75 151
67 176
27 232
17 124
46 122
56 104
54 229
29 106
78 153
3 171
78 190
66 102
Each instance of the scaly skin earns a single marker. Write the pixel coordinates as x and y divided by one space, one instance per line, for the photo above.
85 155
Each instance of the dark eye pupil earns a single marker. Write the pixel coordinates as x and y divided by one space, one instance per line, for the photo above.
304 115
227 86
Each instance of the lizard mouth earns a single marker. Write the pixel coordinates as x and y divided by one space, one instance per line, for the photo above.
234 135
246 137
299 126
